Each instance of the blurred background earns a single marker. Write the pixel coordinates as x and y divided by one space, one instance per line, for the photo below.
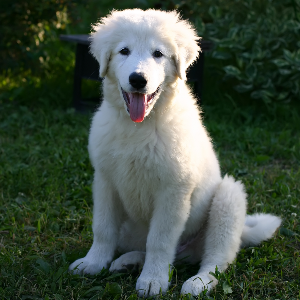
256 54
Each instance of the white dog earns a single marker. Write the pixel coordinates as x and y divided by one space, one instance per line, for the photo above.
158 192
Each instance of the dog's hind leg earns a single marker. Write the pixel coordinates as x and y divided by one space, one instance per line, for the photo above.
223 235
128 262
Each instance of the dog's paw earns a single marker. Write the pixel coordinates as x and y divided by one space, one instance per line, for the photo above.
148 286
198 283
86 265
128 262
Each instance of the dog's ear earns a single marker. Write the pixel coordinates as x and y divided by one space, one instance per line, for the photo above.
186 40
100 46
180 63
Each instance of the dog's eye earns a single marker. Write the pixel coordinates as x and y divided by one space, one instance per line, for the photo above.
125 51
157 54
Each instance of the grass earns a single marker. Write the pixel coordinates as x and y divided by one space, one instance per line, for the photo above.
45 199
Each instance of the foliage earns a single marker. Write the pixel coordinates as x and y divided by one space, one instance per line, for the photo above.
256 43
30 29
34 63
27 27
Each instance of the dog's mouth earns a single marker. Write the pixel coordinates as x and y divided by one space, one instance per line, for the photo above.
138 104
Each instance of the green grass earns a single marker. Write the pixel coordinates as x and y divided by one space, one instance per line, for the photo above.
46 201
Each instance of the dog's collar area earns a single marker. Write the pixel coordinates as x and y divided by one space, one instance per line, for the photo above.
138 104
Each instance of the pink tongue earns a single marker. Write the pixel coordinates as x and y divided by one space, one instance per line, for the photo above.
137 106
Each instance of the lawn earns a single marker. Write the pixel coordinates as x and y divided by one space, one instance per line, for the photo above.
46 200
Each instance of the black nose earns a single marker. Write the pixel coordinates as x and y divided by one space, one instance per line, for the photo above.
137 80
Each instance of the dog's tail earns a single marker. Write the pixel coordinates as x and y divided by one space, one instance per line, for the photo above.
258 228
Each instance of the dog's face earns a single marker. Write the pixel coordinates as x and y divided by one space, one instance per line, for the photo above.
143 52
141 68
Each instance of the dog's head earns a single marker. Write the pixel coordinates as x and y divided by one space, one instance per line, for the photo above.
142 52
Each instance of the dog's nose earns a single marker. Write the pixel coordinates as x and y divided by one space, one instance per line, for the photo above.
137 80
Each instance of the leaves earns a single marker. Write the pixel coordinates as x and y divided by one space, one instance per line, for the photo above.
43 265
251 71
243 88
113 289
221 55
256 41
93 289
36 23
233 71
287 232
226 288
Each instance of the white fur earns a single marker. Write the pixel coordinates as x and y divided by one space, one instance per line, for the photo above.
259 227
157 184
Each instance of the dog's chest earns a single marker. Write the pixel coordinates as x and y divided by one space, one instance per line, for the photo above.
140 168
136 185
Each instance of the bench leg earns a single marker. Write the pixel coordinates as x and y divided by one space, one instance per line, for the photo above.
77 101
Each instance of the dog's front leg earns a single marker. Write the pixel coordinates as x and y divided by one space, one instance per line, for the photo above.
106 222
171 211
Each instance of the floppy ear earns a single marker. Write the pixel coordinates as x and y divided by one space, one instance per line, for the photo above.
181 63
100 47
186 40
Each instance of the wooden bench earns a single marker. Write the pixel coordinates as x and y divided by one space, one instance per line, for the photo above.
86 67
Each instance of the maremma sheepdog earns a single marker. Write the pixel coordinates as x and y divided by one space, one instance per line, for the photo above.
158 192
